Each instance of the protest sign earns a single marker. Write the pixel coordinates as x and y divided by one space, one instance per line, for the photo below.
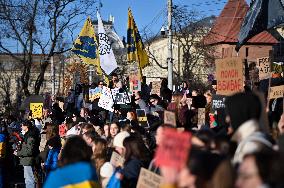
263 65
36 109
276 92
173 149
218 102
148 179
142 118
116 159
134 80
62 130
95 93
229 74
170 118
201 117
106 101
156 86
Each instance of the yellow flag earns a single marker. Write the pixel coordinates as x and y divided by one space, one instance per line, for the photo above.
86 46
135 47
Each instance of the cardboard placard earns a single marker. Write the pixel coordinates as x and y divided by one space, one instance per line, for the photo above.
62 130
276 92
116 159
36 109
263 65
229 74
173 149
201 117
170 118
142 118
156 86
148 179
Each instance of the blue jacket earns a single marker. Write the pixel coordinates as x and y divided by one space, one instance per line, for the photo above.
52 158
80 174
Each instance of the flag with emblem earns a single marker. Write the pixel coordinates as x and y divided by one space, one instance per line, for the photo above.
85 46
107 59
135 47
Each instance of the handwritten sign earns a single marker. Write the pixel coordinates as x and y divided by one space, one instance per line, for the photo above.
142 118
106 101
36 109
201 117
148 179
276 92
116 160
62 130
173 149
263 65
229 74
156 86
170 118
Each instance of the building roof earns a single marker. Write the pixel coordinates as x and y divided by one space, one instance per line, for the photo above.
227 26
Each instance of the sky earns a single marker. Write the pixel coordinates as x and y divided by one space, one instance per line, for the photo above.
153 13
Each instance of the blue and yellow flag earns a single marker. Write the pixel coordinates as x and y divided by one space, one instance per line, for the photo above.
86 46
135 47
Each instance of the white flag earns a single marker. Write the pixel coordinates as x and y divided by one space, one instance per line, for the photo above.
107 59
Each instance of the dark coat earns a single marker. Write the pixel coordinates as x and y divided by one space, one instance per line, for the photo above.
30 147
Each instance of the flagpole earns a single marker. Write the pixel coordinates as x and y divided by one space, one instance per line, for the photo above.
170 47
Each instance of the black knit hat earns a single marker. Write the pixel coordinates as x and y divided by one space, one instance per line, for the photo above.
242 107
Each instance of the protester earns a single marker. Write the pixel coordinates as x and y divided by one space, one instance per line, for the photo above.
28 152
75 157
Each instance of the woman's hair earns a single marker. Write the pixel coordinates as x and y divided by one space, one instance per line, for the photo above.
100 152
135 148
133 115
51 130
88 126
75 150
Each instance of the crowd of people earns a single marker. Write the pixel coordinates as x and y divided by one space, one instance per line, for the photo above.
74 145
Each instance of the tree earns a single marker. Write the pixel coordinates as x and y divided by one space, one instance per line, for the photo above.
7 73
40 26
188 31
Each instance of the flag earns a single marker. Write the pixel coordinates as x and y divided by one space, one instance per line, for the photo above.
262 15
135 47
107 59
85 46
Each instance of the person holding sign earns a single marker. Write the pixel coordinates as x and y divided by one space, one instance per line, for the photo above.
136 156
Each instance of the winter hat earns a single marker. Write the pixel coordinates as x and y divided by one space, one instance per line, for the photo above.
119 138
242 107
106 170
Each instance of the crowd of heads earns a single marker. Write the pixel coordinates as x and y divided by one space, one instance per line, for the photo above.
234 149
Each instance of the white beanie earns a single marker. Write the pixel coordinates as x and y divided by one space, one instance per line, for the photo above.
119 138
106 170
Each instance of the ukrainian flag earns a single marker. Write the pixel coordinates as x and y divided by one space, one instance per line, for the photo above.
135 47
86 46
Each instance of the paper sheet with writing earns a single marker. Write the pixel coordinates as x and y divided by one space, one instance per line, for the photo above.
36 109
106 101
276 92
